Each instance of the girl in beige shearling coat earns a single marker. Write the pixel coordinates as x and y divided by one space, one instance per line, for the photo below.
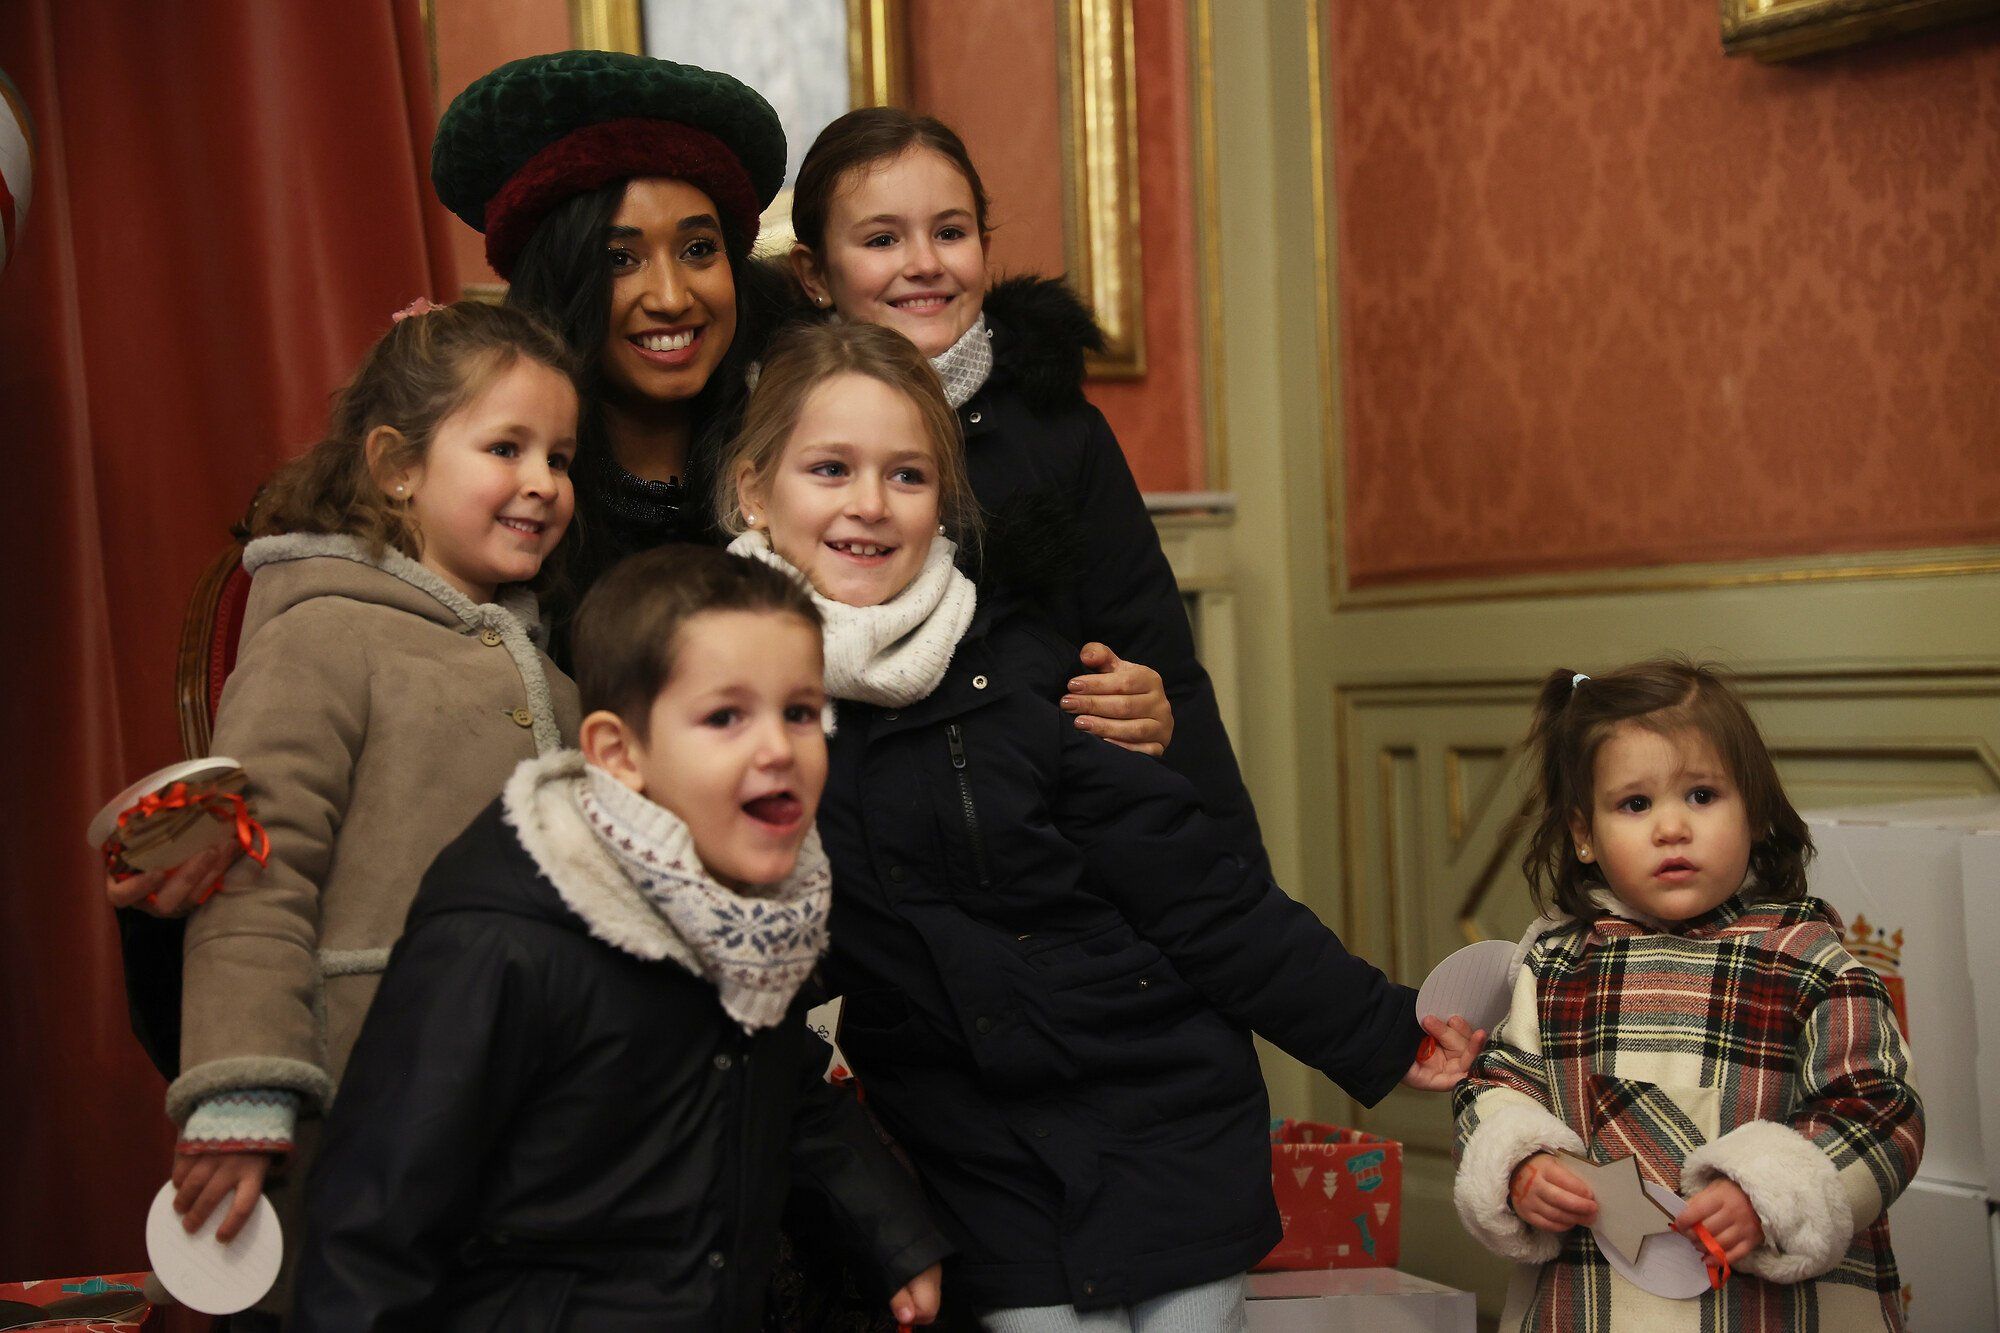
379 701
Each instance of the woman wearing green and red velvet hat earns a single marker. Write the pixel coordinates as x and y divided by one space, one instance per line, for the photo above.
619 196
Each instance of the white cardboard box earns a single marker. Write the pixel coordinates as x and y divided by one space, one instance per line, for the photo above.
1945 1252
1980 857
1378 1300
1896 874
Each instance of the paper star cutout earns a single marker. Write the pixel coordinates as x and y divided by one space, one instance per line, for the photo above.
1626 1214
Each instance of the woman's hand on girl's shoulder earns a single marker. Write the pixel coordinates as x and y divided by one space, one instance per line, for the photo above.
175 892
1124 702
1445 1056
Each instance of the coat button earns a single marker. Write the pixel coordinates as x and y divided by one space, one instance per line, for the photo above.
897 874
522 717
1090 1288
1143 983
889 716
1041 1131
491 638
979 682
974 418
717 1259
983 1023
722 1060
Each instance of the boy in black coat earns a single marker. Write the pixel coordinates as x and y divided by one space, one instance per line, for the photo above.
586 1081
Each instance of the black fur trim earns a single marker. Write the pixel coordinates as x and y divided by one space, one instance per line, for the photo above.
1032 547
1040 332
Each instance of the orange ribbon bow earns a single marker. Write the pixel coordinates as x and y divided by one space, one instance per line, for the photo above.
250 835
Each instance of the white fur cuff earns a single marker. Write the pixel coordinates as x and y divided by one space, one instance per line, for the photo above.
1509 1133
1808 1225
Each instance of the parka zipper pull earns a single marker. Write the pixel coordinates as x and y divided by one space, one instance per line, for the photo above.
955 739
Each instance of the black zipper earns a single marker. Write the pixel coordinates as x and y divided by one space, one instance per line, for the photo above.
956 739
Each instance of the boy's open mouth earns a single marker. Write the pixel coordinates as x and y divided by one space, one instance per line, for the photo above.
779 809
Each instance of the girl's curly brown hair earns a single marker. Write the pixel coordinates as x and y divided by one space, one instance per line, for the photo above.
1669 696
421 371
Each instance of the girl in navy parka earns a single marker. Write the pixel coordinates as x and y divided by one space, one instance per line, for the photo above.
1052 960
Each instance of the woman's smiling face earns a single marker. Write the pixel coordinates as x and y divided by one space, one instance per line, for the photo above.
852 502
673 296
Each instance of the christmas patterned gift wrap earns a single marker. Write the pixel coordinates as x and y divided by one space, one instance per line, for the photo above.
113 1303
1340 1195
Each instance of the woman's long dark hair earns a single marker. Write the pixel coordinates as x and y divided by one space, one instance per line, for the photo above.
564 276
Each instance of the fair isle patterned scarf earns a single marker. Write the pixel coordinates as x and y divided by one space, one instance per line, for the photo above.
757 947
896 653
965 364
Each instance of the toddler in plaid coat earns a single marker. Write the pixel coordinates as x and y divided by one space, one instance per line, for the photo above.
1686 1003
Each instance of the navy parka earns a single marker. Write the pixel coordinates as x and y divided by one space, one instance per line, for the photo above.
1049 472
1052 962
538 1130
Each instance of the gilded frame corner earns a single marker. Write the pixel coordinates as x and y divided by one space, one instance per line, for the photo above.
1773 30
1099 96
878 66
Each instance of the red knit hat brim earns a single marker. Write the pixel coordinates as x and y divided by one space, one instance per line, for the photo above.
613 150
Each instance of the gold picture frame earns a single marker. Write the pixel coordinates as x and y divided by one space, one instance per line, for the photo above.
1774 30
877 42
1099 93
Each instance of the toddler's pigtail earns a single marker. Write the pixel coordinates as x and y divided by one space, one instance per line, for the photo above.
1550 860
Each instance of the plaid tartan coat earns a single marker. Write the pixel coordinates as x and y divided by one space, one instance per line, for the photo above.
1747 1043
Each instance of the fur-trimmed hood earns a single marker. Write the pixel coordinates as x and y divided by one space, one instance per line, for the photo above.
756 946
1041 330
415 589
297 567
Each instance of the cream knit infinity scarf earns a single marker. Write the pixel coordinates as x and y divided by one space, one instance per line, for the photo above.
896 653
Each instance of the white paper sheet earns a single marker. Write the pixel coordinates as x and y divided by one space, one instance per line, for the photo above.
204 1274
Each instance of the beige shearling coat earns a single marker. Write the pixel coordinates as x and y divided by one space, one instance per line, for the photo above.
376 710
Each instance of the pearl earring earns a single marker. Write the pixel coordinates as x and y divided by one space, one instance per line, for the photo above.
1583 853
750 519
399 490
940 529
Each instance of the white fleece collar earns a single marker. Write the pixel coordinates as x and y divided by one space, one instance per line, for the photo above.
896 653
512 614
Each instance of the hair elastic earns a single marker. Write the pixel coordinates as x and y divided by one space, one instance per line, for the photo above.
1576 680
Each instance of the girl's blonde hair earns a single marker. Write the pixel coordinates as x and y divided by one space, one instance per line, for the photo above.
806 356
1669 696
422 370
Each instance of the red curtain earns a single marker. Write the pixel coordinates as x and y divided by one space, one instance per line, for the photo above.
230 199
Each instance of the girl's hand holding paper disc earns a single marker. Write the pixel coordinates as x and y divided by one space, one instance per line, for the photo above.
175 892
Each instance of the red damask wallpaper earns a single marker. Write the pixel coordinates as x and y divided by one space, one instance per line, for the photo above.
1608 298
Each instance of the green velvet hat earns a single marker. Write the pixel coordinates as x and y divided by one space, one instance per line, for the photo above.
538 131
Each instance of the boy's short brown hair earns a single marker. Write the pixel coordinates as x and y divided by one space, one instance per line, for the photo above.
628 631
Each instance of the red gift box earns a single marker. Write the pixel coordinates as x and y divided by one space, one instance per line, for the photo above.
113 1303
1340 1196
